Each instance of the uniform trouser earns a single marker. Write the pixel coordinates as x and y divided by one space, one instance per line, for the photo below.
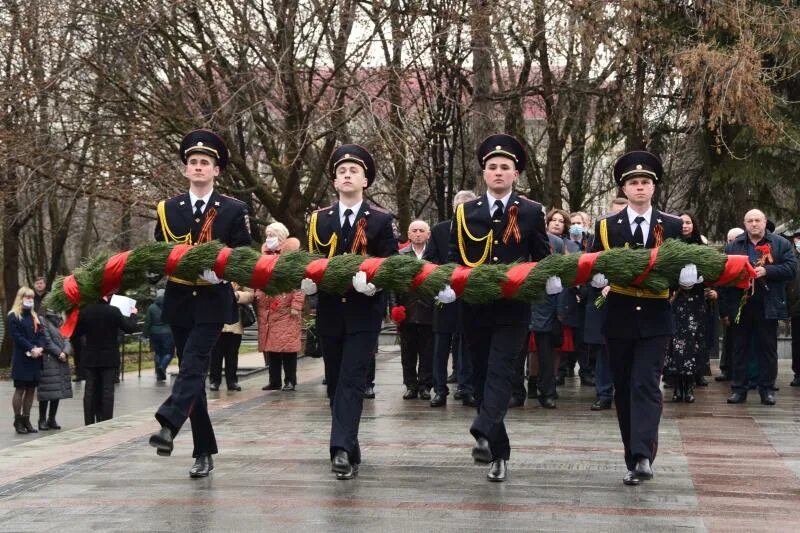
493 350
98 394
227 349
796 345
726 356
416 347
347 360
765 334
518 377
636 365
188 398
546 353
462 362
603 380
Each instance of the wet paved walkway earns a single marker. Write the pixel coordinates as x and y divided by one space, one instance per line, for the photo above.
720 467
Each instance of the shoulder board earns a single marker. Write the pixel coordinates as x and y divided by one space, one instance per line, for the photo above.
321 209
177 198
528 200
380 210
607 215
669 215
232 199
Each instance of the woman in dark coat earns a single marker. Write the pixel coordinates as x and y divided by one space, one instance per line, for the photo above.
26 361
54 384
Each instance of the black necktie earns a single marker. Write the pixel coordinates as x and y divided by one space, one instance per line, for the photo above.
498 212
346 226
638 236
198 213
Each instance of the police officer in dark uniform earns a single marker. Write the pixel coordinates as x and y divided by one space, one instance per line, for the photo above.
639 323
196 309
497 227
348 325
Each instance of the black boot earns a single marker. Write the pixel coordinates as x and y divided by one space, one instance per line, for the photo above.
677 383
688 393
43 425
27 421
19 425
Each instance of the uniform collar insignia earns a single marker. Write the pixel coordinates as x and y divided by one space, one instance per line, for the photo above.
480 202
619 221
658 220
216 204
366 213
182 203
516 202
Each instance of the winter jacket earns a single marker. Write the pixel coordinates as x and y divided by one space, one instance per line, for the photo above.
793 290
54 383
280 321
418 310
26 333
153 323
544 314
100 324
246 296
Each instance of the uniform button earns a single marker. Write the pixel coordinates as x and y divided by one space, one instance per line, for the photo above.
495 259
344 300
496 242
344 253
638 308
194 293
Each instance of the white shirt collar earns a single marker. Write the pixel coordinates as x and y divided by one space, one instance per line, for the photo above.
343 208
491 199
633 214
193 198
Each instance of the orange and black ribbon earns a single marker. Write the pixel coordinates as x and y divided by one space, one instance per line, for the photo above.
658 232
513 226
360 239
206 231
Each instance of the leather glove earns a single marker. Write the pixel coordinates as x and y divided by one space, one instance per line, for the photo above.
210 277
360 284
308 286
446 295
553 285
688 277
599 281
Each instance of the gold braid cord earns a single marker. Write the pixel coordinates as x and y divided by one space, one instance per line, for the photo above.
461 229
168 235
314 244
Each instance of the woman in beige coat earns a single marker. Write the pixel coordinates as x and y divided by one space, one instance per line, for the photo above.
280 318
227 346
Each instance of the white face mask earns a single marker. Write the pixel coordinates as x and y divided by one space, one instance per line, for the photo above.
272 242
27 304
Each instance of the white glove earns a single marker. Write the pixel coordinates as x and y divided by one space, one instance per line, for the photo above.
446 295
599 281
553 285
360 284
688 277
210 277
308 286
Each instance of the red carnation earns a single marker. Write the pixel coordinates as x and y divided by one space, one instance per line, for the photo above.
398 314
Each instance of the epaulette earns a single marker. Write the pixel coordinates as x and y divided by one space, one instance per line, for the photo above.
676 217
321 209
607 215
528 200
381 210
231 198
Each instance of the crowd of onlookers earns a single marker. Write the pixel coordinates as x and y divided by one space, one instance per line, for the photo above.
565 340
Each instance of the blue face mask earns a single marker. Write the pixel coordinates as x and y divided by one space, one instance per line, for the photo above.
575 230
797 245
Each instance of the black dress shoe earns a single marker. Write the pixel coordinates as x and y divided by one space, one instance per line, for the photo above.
643 469
289 387
162 441
737 397
340 464
515 401
369 393
722 377
43 425
631 479
202 466
601 405
482 452
768 398
497 470
452 378
52 424
796 381
410 394
234 386
439 400
468 400
424 394
213 386
271 386
547 403
350 474
458 395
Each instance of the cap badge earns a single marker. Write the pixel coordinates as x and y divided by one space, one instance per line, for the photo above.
638 167
199 143
498 147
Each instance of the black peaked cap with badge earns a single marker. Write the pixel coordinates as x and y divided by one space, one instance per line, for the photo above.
638 163
502 145
206 142
353 153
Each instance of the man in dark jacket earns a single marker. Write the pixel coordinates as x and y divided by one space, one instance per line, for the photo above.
775 264
414 316
793 298
160 335
96 338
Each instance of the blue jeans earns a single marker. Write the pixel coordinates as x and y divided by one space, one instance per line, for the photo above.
163 346
603 381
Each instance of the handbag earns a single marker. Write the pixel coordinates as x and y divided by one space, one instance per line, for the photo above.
247 315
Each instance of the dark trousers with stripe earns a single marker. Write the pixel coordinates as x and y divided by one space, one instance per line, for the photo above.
188 398
636 366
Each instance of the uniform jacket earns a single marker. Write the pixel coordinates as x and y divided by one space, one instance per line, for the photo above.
99 324
532 246
353 311
631 317
782 270
544 314
55 382
446 317
418 310
25 336
185 305
279 329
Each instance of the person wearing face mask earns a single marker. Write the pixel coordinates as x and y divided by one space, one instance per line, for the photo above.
578 230
27 337
54 383
280 317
